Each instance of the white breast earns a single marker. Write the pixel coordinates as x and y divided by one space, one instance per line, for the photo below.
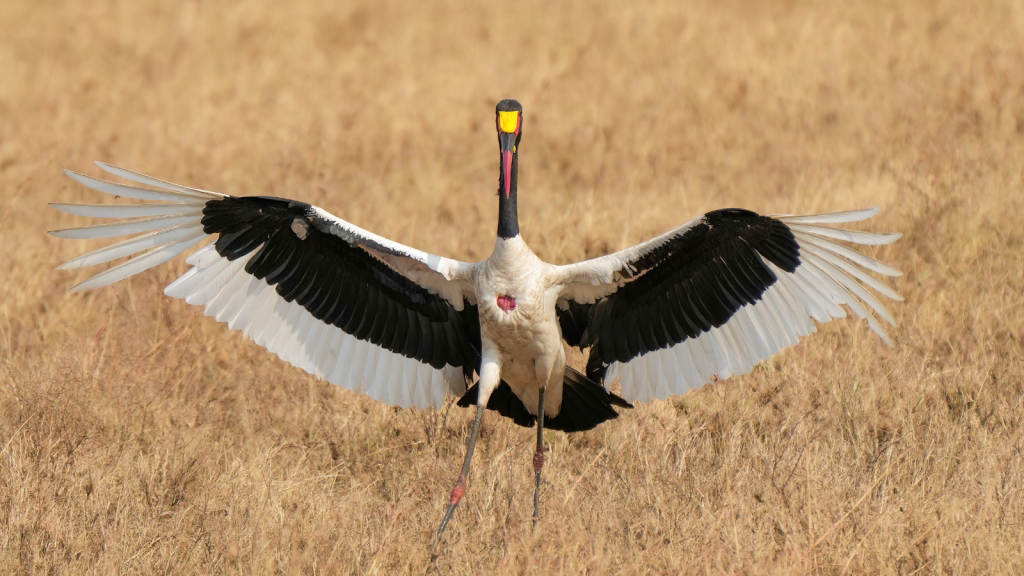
527 337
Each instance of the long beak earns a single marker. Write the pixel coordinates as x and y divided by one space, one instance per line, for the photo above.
508 144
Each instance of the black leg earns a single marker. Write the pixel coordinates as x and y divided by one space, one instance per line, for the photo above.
538 456
460 484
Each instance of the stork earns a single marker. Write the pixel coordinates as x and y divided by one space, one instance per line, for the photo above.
712 297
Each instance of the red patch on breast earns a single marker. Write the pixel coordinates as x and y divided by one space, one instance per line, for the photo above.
507 303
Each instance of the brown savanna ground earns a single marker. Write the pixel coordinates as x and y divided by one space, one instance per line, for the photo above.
137 436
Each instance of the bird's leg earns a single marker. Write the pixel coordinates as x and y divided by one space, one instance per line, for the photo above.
460 484
490 377
538 456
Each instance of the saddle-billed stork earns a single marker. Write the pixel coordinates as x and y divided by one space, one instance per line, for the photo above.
712 297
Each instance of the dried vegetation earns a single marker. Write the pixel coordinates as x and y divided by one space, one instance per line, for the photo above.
137 436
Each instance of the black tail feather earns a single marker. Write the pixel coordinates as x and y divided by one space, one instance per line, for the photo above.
585 404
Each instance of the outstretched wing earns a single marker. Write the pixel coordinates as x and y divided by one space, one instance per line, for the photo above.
346 305
716 296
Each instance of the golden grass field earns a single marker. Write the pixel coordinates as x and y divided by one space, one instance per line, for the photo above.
139 437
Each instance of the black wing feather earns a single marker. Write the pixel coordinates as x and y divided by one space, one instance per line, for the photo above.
585 404
692 283
573 321
342 284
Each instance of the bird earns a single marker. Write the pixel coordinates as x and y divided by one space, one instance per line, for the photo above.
704 301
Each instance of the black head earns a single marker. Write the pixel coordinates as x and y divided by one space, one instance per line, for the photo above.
509 105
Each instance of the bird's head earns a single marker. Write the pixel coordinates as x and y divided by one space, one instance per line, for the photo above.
509 121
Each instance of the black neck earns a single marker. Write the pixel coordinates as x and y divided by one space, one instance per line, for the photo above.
508 212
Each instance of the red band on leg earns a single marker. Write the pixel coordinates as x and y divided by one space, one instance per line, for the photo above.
538 461
460 489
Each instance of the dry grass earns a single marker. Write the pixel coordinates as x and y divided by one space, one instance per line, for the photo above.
137 436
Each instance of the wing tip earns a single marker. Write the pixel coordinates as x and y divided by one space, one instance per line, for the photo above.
106 167
76 176
886 339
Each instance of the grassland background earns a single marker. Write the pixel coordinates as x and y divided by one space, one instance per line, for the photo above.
137 436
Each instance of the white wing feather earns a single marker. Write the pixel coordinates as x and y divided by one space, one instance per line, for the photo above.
829 276
171 223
